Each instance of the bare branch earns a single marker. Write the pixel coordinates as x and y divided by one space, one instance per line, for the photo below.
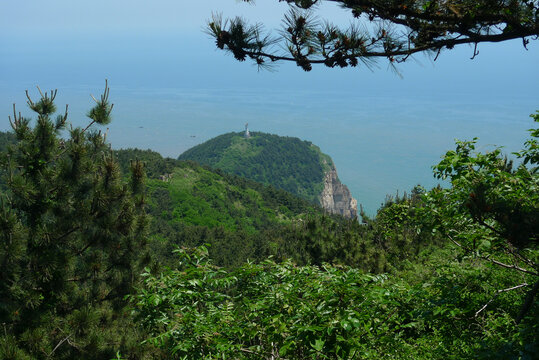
437 54
41 93
58 345
66 234
30 102
498 292
514 251
89 125
14 122
65 114
475 52
515 267
456 242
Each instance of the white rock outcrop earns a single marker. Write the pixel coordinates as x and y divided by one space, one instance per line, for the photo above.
336 198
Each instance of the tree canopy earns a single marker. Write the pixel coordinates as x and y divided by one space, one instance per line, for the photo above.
72 237
446 273
391 29
286 163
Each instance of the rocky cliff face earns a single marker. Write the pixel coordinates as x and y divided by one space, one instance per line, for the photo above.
336 198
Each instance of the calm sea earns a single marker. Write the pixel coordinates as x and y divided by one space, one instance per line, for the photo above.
379 145
383 133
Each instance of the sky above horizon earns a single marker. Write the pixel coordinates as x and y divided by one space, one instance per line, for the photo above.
169 81
166 47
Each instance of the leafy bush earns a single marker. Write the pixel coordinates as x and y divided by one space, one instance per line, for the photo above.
491 210
271 310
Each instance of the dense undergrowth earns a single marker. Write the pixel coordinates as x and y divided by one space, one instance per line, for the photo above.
179 261
427 310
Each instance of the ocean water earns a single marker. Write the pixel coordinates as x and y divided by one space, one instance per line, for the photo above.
380 145
383 132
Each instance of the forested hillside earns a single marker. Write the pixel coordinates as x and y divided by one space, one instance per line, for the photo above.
240 219
287 163
461 279
128 255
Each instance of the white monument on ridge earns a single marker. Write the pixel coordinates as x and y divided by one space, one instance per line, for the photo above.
247 135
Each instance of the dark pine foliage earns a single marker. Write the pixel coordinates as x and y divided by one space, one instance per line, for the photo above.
390 29
72 237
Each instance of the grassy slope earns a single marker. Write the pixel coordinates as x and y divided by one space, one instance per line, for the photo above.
194 205
201 197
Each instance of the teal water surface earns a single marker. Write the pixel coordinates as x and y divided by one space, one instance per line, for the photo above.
380 145
384 132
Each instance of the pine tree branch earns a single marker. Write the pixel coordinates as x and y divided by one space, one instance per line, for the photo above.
58 345
423 29
66 234
388 11
434 45
81 251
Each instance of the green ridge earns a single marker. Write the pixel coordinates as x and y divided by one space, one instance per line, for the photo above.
186 192
287 163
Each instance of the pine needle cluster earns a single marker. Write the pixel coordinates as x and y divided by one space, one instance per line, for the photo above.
72 237
390 29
